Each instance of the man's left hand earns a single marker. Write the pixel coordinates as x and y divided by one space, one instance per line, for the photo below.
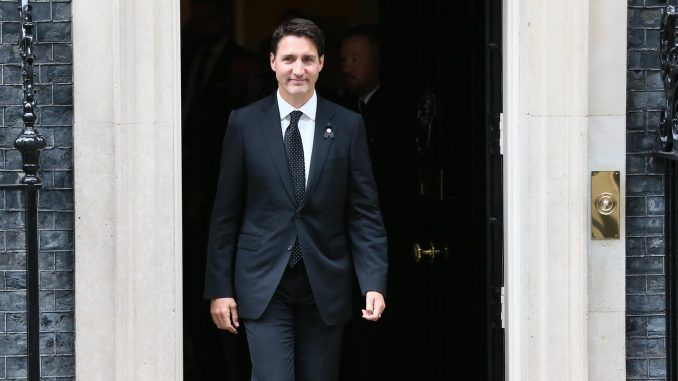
374 306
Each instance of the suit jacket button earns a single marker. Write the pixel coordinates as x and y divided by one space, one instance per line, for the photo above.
298 215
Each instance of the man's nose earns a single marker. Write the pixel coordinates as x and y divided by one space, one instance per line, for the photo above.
346 67
298 68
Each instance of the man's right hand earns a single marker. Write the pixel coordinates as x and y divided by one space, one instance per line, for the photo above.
225 314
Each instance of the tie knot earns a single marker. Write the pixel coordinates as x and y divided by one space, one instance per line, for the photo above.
295 116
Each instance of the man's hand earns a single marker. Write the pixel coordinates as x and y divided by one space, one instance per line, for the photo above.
225 314
374 306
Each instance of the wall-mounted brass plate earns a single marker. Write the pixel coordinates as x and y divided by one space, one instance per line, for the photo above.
605 205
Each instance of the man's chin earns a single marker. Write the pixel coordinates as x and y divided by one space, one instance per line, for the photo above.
352 89
296 90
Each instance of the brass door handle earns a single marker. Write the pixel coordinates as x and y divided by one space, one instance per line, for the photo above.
434 252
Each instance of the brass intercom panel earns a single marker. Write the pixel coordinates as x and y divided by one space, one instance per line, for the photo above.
605 205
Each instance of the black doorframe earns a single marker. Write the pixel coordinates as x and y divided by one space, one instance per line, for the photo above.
671 263
494 192
666 149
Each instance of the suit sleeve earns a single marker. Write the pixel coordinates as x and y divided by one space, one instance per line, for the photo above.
226 214
363 216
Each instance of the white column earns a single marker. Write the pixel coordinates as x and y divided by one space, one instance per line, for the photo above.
564 104
127 190
546 105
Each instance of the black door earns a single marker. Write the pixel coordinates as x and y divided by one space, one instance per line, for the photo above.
441 195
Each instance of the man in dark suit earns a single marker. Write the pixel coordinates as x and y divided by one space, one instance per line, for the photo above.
361 68
296 214
363 93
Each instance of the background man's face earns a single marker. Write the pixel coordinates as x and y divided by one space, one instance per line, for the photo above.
360 65
209 22
297 66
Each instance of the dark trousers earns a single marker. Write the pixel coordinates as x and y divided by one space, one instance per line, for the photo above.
290 342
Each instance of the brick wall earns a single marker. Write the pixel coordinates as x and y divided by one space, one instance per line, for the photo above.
645 244
55 114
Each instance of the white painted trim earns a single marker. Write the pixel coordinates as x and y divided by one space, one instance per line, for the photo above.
177 185
513 266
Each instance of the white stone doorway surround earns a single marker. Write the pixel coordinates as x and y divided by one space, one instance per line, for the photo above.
564 115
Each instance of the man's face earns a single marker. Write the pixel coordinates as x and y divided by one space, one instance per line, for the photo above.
297 66
360 65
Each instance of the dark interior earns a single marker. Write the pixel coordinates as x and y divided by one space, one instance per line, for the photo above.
438 171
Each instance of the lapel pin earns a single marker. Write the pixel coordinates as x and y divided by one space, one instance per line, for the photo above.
328 131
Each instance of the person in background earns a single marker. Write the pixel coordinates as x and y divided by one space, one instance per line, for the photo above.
361 78
362 93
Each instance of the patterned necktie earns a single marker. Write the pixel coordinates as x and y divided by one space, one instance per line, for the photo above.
295 162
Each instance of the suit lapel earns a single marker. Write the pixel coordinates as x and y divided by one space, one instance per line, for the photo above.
321 147
270 125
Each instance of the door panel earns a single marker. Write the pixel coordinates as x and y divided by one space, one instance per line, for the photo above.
441 66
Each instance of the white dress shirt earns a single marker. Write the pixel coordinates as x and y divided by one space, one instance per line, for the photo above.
306 124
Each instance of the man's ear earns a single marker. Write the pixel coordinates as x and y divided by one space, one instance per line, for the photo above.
321 61
272 58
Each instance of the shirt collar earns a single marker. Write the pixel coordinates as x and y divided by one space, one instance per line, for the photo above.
367 97
309 108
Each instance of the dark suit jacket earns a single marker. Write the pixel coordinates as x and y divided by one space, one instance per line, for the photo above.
255 221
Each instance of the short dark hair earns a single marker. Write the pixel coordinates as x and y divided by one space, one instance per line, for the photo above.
301 28
367 31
